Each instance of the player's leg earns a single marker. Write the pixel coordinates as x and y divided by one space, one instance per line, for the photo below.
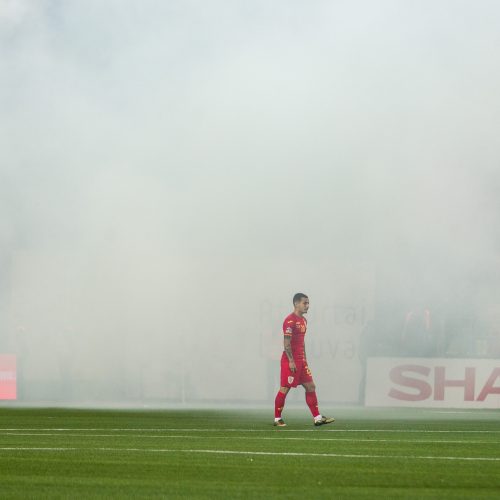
311 398
287 380
279 404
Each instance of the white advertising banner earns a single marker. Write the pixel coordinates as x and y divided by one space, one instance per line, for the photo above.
433 382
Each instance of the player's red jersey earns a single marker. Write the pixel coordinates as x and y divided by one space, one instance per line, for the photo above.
295 327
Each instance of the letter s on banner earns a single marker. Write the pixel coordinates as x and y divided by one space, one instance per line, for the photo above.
398 377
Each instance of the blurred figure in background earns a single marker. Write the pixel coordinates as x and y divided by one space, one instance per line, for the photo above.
417 337
462 327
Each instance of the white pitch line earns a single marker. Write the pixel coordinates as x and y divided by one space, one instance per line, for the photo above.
447 412
281 430
262 453
254 438
21 448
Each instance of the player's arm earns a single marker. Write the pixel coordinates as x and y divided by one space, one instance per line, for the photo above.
287 345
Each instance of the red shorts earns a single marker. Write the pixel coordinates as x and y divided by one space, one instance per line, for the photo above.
301 376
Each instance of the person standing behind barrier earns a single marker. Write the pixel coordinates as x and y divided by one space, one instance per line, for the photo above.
417 337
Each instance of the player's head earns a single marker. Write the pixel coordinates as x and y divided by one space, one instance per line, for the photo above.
301 303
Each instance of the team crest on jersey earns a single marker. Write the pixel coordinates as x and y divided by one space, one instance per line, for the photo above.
290 380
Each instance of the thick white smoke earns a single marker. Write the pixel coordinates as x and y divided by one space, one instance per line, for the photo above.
172 172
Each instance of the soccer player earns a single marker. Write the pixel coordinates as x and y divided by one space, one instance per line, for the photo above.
294 368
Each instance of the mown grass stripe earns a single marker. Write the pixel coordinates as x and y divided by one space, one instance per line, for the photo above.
222 430
262 453
254 438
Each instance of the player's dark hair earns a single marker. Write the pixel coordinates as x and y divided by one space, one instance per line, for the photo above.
298 297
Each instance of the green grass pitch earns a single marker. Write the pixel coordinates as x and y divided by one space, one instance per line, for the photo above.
68 453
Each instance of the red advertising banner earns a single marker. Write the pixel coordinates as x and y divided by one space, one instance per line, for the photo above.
8 376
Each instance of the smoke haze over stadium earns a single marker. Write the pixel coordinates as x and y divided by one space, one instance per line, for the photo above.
171 173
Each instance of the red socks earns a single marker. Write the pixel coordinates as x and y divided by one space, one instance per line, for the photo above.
312 402
279 403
